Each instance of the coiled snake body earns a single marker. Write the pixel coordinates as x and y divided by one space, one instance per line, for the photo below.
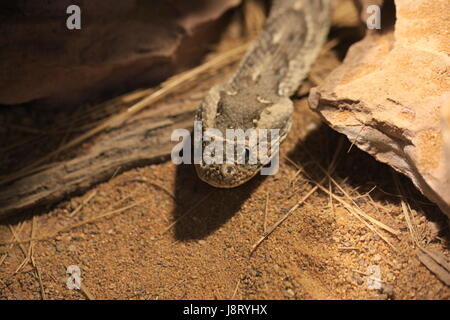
257 96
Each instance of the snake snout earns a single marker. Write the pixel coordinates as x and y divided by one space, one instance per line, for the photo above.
226 175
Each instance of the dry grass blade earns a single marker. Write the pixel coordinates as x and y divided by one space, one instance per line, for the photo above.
356 139
235 289
330 198
348 248
39 276
406 211
254 17
79 224
85 202
272 229
265 212
27 253
24 262
33 261
86 292
136 95
14 236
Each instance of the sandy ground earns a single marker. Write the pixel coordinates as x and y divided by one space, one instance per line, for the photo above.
182 239
158 232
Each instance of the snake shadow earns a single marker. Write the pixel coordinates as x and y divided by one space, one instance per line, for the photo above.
202 209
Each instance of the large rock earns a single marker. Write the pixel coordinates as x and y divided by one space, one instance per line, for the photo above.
390 93
121 45
446 132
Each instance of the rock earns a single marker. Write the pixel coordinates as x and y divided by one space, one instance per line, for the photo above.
446 133
391 91
121 46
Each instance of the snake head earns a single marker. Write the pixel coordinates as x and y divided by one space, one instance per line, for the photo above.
246 128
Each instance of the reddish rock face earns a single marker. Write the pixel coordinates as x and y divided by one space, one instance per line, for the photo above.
389 94
120 46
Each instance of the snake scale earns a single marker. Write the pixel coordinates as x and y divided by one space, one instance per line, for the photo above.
258 94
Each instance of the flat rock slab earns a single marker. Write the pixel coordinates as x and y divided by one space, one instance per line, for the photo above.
390 94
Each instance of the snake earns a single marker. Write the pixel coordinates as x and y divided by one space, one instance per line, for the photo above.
258 95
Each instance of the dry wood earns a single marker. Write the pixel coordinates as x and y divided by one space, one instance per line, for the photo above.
133 145
132 138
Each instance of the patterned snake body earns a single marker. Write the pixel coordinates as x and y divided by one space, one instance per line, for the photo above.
257 96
